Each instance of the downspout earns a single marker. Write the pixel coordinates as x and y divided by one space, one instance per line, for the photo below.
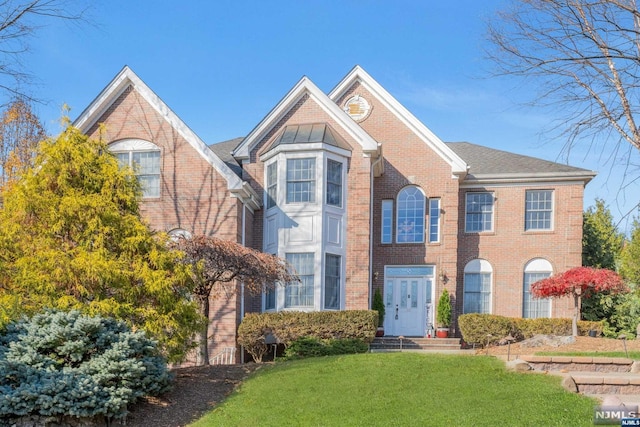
243 239
371 232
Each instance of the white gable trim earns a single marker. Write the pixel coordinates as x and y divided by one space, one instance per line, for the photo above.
306 86
125 78
458 166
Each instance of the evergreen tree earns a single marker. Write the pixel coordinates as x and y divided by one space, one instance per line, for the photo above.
601 245
71 237
601 240
630 257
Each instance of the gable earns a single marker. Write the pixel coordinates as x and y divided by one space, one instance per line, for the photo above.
358 76
126 80
305 91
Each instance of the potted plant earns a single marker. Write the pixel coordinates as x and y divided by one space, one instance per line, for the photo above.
378 305
443 315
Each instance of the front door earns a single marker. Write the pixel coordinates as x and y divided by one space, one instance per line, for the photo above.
406 306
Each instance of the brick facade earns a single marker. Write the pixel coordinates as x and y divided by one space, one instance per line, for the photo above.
196 196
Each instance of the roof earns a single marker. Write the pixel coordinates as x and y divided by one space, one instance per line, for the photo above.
308 134
488 164
126 78
306 87
224 149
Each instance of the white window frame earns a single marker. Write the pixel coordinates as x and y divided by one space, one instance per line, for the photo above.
301 176
478 269
434 220
403 227
333 184
531 224
386 223
130 147
536 269
338 280
478 218
307 284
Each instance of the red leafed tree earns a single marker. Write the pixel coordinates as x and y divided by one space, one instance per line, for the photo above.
578 282
217 265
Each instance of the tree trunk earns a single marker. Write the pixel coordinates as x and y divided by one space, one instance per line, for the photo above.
576 315
203 341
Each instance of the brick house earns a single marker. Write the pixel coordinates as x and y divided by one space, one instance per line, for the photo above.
357 194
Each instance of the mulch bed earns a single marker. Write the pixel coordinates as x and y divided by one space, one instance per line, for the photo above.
196 390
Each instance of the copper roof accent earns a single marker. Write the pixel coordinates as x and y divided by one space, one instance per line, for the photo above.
309 134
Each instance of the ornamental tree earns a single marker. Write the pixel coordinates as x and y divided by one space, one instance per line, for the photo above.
578 282
217 266
71 237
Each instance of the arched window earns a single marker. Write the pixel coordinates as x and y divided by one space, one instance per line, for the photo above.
179 233
477 286
536 269
410 217
144 158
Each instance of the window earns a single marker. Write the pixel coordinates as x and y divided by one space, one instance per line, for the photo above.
300 294
479 212
477 286
387 221
410 218
434 220
272 184
332 282
301 180
146 165
334 183
270 299
535 270
538 210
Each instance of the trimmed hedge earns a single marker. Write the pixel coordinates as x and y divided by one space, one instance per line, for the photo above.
475 327
288 326
314 347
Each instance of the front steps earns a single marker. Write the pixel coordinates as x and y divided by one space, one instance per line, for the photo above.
444 345
595 376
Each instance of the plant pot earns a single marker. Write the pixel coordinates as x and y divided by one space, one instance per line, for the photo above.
442 333
593 333
380 331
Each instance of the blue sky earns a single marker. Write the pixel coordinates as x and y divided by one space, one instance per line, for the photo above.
222 65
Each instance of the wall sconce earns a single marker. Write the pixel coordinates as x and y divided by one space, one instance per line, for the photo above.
375 275
444 278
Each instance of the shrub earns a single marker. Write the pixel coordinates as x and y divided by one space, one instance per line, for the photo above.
314 347
378 305
475 327
288 326
60 364
443 313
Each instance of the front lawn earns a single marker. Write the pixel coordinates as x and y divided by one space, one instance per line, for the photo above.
400 389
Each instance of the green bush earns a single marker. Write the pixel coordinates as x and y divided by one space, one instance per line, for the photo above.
61 364
314 347
475 327
443 312
289 326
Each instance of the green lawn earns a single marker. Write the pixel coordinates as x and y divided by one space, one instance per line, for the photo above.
399 389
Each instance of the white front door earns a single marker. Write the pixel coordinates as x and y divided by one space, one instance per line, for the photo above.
406 306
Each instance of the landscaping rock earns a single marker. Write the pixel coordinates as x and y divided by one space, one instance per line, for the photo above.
635 367
548 340
518 365
569 384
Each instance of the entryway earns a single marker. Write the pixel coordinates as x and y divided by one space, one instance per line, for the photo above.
408 297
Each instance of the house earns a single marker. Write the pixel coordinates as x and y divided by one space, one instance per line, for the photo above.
357 194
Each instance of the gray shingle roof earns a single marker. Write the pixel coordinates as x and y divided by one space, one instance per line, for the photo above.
223 150
491 164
